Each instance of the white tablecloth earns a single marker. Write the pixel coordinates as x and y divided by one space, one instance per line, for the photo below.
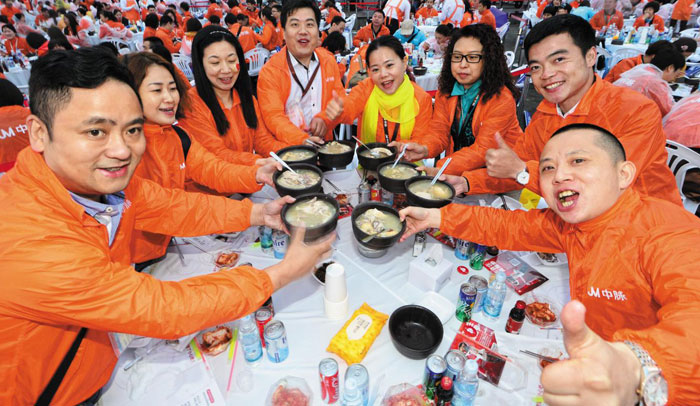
383 284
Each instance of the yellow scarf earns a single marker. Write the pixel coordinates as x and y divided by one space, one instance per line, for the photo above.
400 107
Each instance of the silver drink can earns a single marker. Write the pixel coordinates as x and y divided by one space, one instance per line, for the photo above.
482 286
455 363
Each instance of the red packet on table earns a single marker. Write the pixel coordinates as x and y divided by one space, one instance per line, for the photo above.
478 342
520 276
442 237
344 204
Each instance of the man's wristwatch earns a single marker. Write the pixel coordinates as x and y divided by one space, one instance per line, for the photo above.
523 177
653 388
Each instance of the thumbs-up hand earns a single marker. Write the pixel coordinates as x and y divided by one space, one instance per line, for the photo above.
503 162
335 107
598 372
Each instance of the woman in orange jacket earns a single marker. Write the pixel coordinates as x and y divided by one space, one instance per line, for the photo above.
390 107
224 116
172 159
475 101
13 42
268 39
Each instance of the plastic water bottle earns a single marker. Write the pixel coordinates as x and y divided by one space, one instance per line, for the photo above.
467 385
352 396
250 340
493 302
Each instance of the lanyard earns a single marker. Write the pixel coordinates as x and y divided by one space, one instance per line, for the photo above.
386 131
304 89
465 136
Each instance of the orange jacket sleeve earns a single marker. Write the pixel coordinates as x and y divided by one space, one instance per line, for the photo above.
267 39
209 170
437 138
168 42
670 259
597 20
200 125
517 230
620 68
355 101
263 139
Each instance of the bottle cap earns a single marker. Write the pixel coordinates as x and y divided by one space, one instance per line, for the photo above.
446 383
520 305
471 367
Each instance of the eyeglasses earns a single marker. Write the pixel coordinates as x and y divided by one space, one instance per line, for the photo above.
471 58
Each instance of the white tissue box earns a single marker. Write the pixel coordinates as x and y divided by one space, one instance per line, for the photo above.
430 271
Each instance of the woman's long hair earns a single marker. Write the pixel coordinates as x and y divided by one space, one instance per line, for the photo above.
205 37
495 74
72 27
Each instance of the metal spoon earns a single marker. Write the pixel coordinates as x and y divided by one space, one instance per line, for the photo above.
313 144
403 151
444 166
373 153
284 164
371 237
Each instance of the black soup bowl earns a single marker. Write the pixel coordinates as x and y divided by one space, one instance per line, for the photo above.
415 200
368 161
394 185
376 243
415 331
336 161
288 191
311 160
313 233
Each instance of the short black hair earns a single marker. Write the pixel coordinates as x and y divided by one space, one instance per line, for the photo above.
669 56
162 51
165 20
228 19
56 73
334 42
380 11
606 140
655 47
584 3
193 25
35 40
685 44
579 29
154 41
3 19
337 20
551 10
652 5
386 41
10 27
184 6
109 47
10 94
242 18
485 3
444 29
214 19
291 6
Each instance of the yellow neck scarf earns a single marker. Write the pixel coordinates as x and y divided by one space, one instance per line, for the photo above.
400 107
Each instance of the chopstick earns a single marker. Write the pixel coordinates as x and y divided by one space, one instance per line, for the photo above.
539 356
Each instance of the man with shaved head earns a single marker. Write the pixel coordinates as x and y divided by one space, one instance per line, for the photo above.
633 327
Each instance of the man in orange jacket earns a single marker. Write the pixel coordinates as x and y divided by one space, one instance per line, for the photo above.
607 17
487 16
214 9
561 53
632 264
165 33
64 239
629 63
13 127
297 83
371 31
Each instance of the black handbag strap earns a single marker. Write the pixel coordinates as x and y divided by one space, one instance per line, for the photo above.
52 387
184 139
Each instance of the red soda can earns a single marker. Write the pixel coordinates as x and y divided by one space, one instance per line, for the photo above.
328 372
376 192
263 316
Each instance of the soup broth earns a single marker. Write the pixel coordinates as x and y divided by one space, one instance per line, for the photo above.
401 172
374 220
310 213
437 191
379 152
297 155
334 147
303 179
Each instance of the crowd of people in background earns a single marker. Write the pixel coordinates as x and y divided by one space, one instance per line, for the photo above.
212 136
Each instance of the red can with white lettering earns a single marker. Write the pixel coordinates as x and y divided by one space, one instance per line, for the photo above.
328 372
263 316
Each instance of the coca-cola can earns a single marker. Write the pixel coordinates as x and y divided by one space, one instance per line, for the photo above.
328 373
263 316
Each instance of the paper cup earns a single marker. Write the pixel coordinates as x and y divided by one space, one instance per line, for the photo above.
336 288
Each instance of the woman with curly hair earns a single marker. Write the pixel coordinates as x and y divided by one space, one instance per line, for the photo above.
475 101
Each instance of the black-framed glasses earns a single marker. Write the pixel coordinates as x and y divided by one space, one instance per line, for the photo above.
471 58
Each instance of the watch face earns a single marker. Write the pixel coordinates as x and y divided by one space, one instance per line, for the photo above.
523 177
655 390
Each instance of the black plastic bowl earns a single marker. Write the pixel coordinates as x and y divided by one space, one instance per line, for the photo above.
285 191
414 200
313 234
310 161
394 185
420 70
337 161
415 331
376 243
370 163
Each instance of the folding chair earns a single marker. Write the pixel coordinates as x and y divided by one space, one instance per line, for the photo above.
681 159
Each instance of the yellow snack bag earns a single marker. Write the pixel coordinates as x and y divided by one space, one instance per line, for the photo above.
353 340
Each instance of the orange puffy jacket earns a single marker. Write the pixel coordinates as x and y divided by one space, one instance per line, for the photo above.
601 20
268 39
426 13
214 10
275 84
656 21
240 145
497 114
635 268
13 134
622 67
634 120
355 103
60 274
366 35
167 38
246 36
682 10
164 163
